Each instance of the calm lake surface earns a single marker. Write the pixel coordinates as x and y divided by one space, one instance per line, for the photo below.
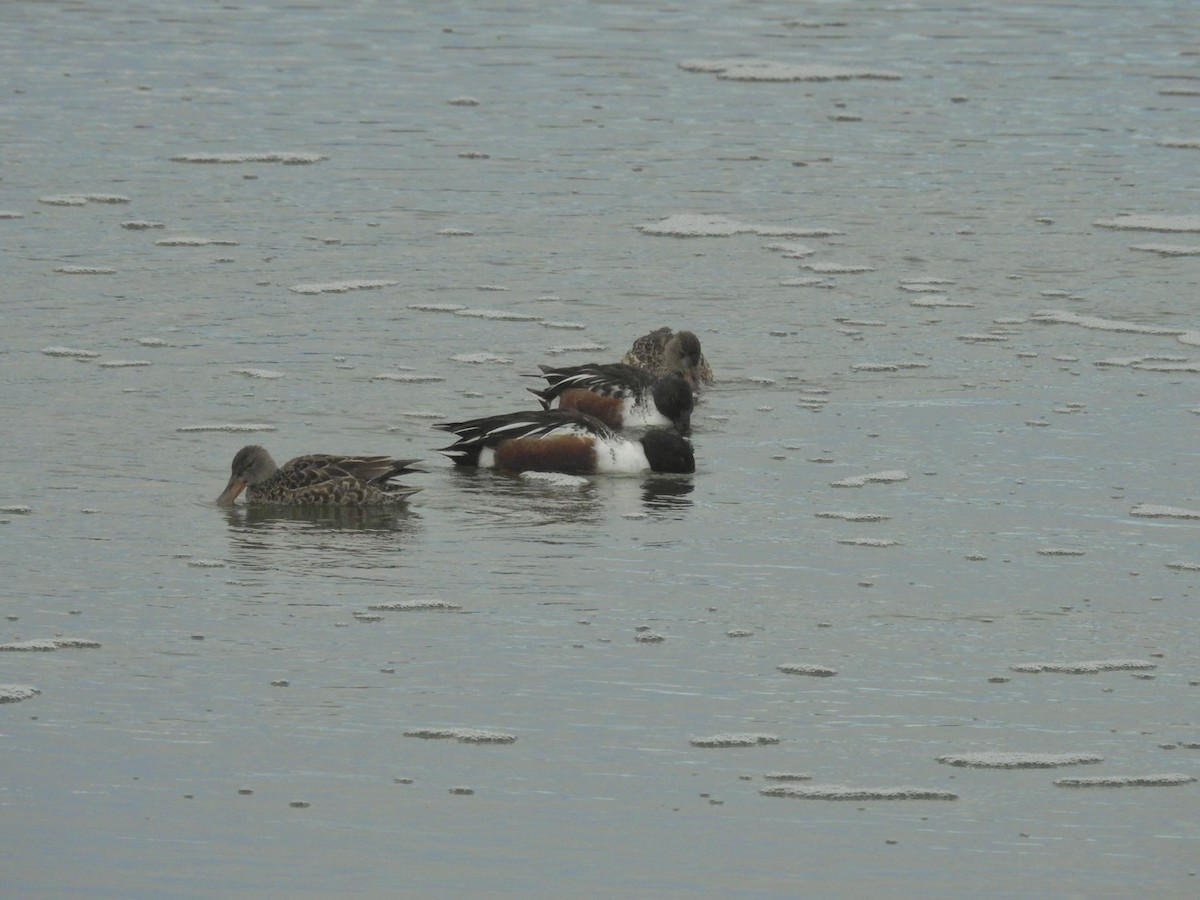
920 625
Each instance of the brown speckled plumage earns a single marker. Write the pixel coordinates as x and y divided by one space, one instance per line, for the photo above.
318 478
664 351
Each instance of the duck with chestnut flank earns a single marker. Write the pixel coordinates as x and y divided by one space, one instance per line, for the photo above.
619 395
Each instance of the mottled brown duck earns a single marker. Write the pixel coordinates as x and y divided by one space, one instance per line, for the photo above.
318 478
665 352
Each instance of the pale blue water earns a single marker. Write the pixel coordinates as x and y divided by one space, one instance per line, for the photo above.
501 159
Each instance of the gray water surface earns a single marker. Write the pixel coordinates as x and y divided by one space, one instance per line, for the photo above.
942 541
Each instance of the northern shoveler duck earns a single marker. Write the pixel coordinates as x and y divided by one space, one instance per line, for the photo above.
619 395
665 351
563 440
317 479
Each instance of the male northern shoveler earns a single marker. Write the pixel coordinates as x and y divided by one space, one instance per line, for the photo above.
664 351
619 395
317 479
563 440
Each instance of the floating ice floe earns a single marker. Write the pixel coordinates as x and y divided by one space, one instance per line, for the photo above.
1134 222
787 776
15 693
481 357
48 645
342 287
564 326
463 101
1180 143
464 735
555 479
437 307
1059 551
1184 566
153 342
842 792
585 347
123 363
1168 249
258 373
1149 510
194 242
700 225
1169 780
85 270
11 214
806 669
70 352
886 367
231 427
1061 317
791 250
81 199
412 605
406 377
853 516
16 509
1089 667
982 338
765 70
868 542
940 301
832 268
286 158
499 315
806 281
1005 760
734 740
888 477
141 225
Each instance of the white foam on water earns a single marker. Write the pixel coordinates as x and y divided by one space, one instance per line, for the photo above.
231 427
342 287
258 373
286 158
1169 780
842 792
15 693
1149 510
1135 222
1018 760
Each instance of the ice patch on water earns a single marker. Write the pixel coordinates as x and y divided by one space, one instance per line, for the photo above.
85 270
1061 317
766 70
48 645
1169 780
481 357
565 326
869 542
1168 249
853 516
257 373
123 363
842 792
806 281
1059 551
16 509
787 776
286 158
141 225
699 225
194 242
1180 143
231 427
342 287
734 740
1008 760
15 693
940 301
463 735
791 250
806 669
412 605
11 214
499 315
833 268
1089 667
455 232
1134 222
70 352
437 307
1149 510
889 477
555 479
585 347
81 199
406 377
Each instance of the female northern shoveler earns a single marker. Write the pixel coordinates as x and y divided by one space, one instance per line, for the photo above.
664 351
318 479
619 395
563 440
